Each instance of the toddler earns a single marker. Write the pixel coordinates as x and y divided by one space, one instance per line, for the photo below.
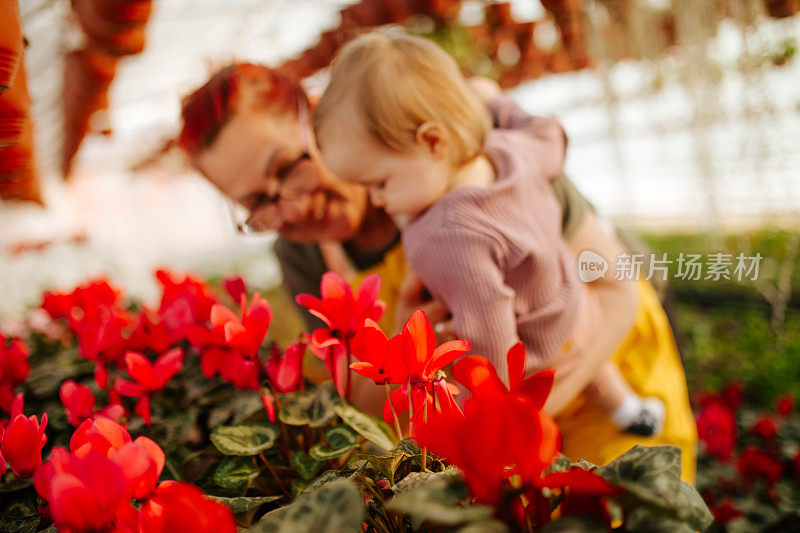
482 226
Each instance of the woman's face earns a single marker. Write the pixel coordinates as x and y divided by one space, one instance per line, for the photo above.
258 160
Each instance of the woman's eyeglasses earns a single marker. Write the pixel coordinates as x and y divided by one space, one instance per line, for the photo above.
263 214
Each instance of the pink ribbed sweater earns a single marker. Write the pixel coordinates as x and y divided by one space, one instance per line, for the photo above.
495 255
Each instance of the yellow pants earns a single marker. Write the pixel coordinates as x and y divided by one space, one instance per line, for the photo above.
648 360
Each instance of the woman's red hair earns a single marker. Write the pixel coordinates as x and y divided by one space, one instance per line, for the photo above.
206 110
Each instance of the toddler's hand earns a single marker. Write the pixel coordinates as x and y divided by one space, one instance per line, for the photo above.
414 296
485 89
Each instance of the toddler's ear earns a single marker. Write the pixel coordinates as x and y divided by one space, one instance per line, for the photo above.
431 136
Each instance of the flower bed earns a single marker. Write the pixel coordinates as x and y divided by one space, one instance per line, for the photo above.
749 468
183 417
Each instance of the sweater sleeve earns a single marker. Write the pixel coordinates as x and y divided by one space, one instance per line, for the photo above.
550 141
462 268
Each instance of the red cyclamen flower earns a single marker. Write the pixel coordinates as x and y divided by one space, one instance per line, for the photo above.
420 355
479 376
141 460
725 512
100 324
14 369
380 359
497 437
716 428
732 394
235 287
23 440
151 333
246 335
785 405
765 428
343 314
285 372
148 377
185 303
183 507
757 464
410 358
83 493
78 401
584 492
231 346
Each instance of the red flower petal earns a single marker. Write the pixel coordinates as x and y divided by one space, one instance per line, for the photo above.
579 481
538 386
477 374
516 365
419 343
140 369
444 354
235 287
166 366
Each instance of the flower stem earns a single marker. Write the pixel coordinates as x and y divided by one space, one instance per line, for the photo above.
410 411
424 421
347 457
284 429
394 413
274 475
348 383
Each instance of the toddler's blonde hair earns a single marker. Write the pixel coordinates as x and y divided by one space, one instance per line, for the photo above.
399 82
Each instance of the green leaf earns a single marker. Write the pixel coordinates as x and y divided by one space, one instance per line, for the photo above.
323 479
559 464
485 526
385 464
305 465
331 475
243 504
409 448
656 468
692 508
367 426
650 474
234 472
18 507
244 440
451 480
337 507
436 497
422 508
655 498
340 440
643 520
244 508
576 524
10 482
313 408
19 525
298 486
